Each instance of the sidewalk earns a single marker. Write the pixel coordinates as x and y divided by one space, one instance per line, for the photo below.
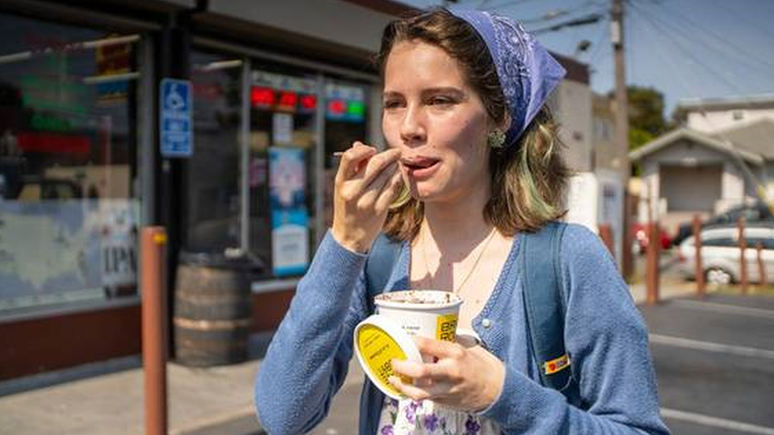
202 401
112 403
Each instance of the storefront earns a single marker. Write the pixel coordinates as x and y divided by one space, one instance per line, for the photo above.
81 173
262 186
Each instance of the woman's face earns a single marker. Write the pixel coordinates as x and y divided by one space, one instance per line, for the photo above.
438 121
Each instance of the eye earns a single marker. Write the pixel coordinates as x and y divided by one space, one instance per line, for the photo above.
391 104
440 100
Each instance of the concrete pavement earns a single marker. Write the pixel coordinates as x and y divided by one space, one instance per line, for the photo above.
112 403
202 401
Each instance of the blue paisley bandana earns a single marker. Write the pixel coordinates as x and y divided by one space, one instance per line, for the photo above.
527 72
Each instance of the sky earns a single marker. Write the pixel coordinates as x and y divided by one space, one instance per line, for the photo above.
686 49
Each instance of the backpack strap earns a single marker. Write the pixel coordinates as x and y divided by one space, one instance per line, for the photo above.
378 269
545 307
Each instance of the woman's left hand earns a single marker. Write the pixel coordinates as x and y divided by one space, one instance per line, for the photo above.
467 379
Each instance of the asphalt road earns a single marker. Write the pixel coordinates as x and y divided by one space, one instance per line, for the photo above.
715 364
714 361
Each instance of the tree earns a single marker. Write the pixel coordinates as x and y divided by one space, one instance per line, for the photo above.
646 115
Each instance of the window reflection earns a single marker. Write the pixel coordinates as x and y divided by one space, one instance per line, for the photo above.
68 216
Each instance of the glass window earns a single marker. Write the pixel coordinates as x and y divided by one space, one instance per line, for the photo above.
68 213
283 137
214 170
722 241
346 118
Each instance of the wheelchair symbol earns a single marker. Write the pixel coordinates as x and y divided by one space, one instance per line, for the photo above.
174 100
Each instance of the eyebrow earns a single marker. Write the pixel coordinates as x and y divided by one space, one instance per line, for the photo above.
432 91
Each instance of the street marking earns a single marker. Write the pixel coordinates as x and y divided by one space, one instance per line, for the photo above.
723 308
706 420
710 347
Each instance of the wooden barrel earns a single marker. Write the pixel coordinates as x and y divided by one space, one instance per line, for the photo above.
213 310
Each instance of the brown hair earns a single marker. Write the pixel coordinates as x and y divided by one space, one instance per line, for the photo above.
528 177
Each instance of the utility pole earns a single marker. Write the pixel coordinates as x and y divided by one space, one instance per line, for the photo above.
622 126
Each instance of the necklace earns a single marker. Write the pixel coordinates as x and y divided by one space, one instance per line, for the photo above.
472 269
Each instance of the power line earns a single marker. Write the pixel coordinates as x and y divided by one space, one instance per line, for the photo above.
749 175
556 13
676 42
582 21
720 39
688 36
731 11
599 45
509 3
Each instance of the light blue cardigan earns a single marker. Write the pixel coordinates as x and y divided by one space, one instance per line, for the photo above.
605 336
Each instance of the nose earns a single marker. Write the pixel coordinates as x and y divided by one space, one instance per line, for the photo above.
412 128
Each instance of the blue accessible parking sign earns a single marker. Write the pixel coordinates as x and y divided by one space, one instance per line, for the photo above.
176 119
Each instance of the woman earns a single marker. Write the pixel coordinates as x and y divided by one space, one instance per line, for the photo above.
476 154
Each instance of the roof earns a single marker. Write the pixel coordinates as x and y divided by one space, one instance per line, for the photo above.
731 103
756 137
692 135
576 71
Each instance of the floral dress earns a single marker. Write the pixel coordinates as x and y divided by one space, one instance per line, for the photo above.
408 417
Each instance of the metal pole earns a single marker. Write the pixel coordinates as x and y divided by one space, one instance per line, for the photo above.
761 267
700 284
154 328
621 121
651 272
319 161
606 234
742 257
244 139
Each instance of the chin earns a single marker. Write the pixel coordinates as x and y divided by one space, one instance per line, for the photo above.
427 193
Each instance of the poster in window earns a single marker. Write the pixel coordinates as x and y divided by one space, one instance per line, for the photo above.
66 251
282 128
290 217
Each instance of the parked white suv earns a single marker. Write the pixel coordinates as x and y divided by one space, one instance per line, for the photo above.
720 254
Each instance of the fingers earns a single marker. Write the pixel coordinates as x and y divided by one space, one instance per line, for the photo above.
425 374
377 164
389 192
419 371
438 348
409 390
352 161
380 193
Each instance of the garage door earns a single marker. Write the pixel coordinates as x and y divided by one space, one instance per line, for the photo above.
690 189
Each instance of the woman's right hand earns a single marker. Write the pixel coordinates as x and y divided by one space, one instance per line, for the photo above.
366 184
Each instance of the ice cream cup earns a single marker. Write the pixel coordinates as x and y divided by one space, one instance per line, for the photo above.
400 315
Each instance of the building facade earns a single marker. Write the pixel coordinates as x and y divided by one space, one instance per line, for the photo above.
722 156
274 88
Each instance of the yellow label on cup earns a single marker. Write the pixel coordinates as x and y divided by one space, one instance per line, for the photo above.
446 326
378 349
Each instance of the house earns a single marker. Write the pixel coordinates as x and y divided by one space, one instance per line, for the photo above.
721 156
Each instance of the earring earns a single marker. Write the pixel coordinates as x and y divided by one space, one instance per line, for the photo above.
495 138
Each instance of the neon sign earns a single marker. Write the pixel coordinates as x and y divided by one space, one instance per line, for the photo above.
346 110
262 98
288 101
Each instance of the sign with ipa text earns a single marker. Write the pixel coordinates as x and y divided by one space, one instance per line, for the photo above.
290 218
176 118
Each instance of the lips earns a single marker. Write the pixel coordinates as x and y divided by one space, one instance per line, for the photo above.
419 167
418 162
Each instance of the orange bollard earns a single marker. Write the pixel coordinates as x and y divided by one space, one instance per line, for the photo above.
701 290
154 335
606 234
651 267
761 266
742 257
